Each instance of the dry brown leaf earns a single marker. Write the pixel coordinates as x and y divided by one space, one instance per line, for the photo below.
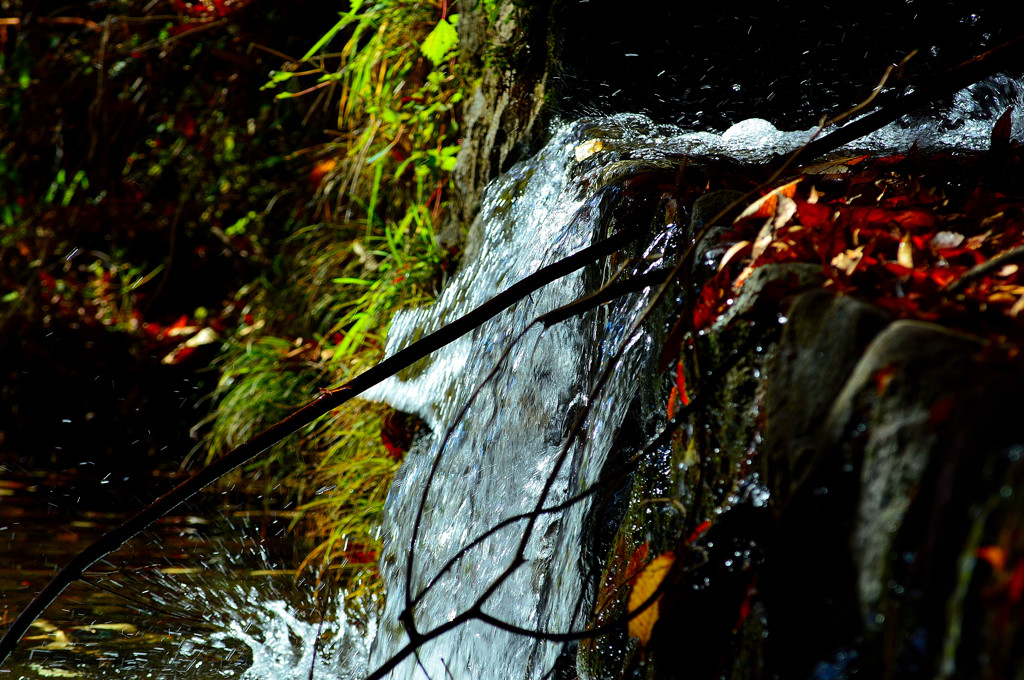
1017 308
946 239
647 581
847 261
731 253
588 149
764 207
905 253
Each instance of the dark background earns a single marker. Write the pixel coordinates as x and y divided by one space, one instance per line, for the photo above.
709 65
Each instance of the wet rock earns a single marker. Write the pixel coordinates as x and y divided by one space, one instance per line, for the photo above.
823 339
714 204
503 119
932 405
910 372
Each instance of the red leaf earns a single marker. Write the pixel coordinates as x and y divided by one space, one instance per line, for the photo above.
681 384
1017 583
701 528
814 215
711 301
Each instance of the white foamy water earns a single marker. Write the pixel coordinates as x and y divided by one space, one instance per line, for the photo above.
282 643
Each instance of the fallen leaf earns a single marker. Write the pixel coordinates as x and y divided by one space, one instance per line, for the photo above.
321 170
681 384
765 206
848 260
944 240
905 253
588 149
205 336
731 253
1018 306
646 583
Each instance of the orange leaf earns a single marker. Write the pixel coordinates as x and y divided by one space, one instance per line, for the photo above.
636 560
764 207
671 410
647 582
994 555
321 170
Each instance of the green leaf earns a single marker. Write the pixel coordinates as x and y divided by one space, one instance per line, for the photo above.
447 163
440 42
276 78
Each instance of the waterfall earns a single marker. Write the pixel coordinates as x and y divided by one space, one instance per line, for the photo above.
502 448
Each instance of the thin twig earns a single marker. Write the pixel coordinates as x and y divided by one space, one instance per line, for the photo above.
549 319
611 478
937 87
986 267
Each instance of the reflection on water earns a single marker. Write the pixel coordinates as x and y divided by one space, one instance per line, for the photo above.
207 593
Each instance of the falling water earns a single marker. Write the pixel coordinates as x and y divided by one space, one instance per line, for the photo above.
499 438
497 455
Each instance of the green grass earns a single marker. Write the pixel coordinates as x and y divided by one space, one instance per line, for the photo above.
321 314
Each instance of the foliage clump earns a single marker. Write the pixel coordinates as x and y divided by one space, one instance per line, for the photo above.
225 182
382 192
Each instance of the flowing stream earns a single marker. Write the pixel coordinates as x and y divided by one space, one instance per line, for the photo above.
500 426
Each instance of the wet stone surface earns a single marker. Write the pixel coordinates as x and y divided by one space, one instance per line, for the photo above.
841 501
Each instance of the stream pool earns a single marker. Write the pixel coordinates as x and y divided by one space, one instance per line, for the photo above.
208 592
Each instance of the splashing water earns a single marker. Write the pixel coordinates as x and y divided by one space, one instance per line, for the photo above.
281 643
